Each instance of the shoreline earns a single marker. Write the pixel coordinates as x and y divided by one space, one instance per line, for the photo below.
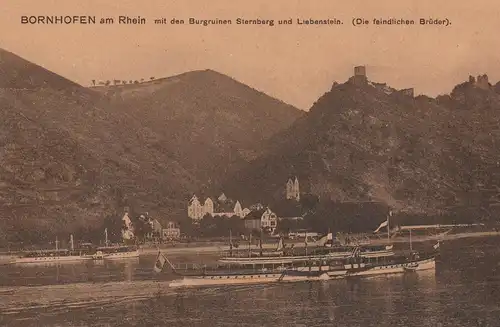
220 248
199 249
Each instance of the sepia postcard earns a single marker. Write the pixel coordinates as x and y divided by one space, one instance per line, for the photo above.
250 163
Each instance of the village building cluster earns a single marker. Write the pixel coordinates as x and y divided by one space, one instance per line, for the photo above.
255 217
170 232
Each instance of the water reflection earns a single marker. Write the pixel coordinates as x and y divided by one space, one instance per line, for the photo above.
76 272
129 270
128 293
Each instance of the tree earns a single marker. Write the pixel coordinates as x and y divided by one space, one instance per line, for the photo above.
207 226
236 225
108 82
220 226
187 227
309 202
93 82
285 226
141 226
256 233
152 78
124 82
114 225
142 80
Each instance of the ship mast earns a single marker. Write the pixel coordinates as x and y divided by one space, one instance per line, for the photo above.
106 235
71 242
250 245
411 246
57 244
305 243
230 243
260 241
388 227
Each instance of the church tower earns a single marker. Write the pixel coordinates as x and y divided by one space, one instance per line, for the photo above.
292 189
289 189
296 191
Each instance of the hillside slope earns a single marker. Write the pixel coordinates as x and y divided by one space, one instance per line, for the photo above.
364 141
69 155
213 123
67 161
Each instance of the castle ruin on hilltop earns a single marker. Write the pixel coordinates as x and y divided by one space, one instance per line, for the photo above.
360 78
481 81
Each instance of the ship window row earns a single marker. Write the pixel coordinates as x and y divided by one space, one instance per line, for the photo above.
227 277
392 266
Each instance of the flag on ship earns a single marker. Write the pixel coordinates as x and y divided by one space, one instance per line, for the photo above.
436 246
230 243
382 225
280 245
389 247
159 263
260 246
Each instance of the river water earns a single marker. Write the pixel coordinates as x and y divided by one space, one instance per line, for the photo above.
463 291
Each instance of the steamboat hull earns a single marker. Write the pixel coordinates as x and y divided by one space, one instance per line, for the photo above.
421 265
121 255
68 259
257 278
303 274
277 260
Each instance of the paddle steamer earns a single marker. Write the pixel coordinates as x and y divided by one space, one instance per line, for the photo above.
117 252
113 252
322 249
53 255
314 268
360 260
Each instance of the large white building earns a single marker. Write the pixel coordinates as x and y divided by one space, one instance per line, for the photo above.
222 207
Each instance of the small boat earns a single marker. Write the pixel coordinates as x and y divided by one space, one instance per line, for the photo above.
111 252
55 255
116 252
46 256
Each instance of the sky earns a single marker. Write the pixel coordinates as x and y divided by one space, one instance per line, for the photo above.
294 63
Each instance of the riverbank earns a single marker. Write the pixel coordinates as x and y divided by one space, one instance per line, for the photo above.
180 249
214 248
446 237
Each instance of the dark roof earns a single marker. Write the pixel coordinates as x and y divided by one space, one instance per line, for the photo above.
191 199
255 214
226 206
287 208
